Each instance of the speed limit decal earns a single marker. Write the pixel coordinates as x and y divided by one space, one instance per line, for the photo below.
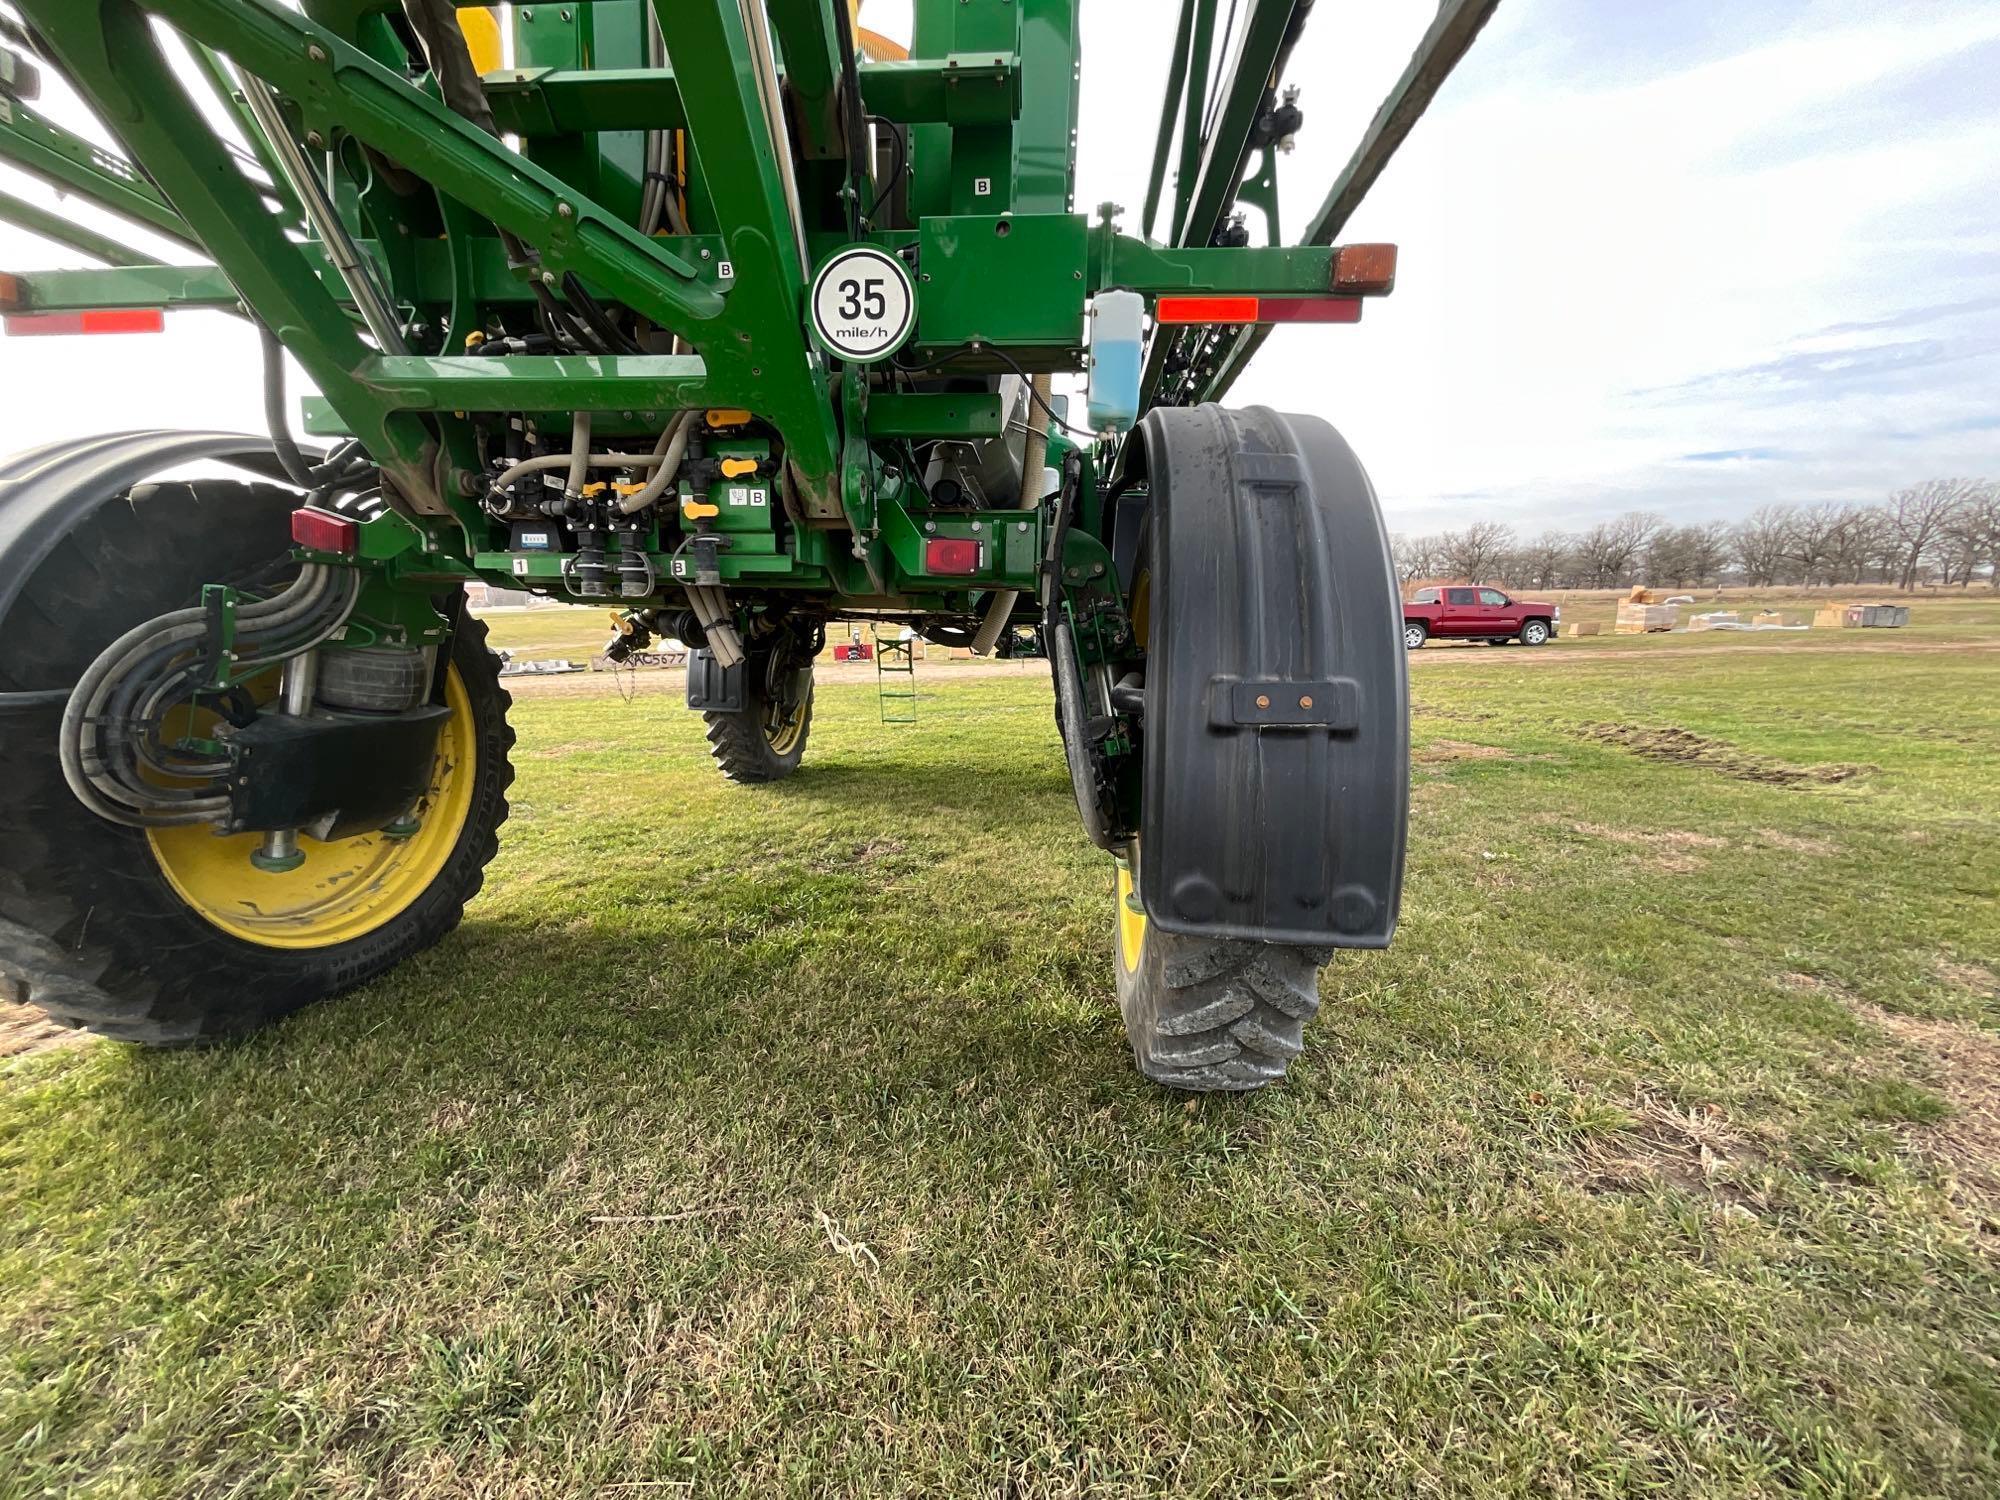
863 304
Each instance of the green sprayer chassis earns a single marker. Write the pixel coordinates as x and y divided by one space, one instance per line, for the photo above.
741 320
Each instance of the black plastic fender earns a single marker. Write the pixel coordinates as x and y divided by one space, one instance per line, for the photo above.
46 491
1276 729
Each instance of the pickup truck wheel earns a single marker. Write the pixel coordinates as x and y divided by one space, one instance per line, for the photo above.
1415 633
1535 633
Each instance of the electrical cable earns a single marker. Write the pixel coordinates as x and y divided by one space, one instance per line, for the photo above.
896 172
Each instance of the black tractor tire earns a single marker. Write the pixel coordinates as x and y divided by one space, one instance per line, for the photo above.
1415 633
766 739
1535 632
1210 1016
91 929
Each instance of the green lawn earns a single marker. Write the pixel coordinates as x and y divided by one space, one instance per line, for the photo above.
783 1141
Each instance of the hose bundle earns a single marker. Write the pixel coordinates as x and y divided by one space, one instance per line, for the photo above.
110 737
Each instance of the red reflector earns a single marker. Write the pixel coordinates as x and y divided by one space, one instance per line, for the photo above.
944 554
96 320
1309 310
1205 310
323 531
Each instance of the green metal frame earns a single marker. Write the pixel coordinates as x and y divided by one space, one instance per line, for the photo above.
438 208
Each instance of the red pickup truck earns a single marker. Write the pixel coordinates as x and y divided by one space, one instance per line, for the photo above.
1477 614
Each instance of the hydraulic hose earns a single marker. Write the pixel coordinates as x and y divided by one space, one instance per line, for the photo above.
579 454
666 457
148 666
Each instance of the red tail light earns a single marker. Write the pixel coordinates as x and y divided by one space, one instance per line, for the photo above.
951 555
323 531
93 320
1258 310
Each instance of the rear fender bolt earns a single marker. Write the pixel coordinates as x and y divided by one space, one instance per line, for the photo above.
314 139
563 210
316 52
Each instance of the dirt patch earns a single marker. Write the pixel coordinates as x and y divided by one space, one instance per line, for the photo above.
1792 843
1976 978
1683 747
24 1030
1652 838
1965 1064
1449 750
1666 1144
868 852
1454 715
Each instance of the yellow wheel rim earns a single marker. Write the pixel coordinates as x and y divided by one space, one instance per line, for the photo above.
779 735
346 888
1131 921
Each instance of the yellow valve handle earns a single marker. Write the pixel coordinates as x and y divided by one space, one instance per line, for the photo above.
628 486
694 510
727 416
735 468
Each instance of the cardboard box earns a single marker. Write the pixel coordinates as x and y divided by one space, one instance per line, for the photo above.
1645 619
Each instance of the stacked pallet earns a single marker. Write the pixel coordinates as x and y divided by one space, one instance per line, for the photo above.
1641 612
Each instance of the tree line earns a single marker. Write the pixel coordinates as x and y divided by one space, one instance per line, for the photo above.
1943 531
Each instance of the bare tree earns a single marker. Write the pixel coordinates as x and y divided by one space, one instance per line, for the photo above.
1474 554
1812 541
1708 551
1670 556
1416 556
1857 544
1974 535
1542 563
1921 515
1759 542
1606 552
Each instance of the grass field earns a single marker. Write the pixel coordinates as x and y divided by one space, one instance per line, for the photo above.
784 1141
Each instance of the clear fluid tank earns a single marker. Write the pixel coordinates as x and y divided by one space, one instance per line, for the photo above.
1117 345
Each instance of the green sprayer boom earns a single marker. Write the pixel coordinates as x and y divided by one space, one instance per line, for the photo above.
742 319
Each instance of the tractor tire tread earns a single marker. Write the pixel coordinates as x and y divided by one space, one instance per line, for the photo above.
1209 1015
90 933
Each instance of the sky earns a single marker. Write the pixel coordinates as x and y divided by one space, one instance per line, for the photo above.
1675 255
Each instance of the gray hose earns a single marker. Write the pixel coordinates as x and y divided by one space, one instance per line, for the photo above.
672 448
711 607
579 454
289 457
155 646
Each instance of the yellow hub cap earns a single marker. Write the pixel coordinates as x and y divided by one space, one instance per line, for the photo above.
345 889
1131 921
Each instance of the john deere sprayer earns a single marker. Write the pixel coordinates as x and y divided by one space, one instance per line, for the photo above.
738 320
